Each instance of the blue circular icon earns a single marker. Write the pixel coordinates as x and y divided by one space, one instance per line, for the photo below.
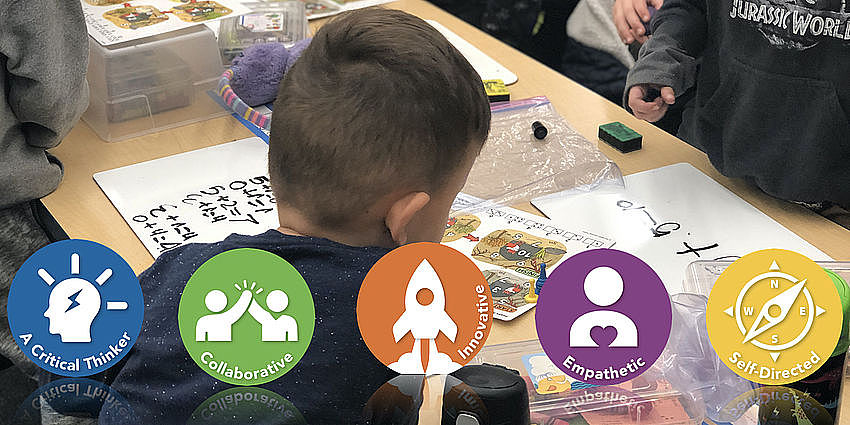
75 308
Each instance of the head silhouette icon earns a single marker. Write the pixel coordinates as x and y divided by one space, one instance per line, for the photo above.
71 308
215 301
277 301
603 286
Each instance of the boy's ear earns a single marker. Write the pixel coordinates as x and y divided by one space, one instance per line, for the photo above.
402 211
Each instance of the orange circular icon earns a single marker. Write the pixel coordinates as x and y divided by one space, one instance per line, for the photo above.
424 308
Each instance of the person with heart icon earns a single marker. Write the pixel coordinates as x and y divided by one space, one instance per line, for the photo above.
603 286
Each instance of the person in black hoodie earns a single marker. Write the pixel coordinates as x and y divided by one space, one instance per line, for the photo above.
772 97
374 131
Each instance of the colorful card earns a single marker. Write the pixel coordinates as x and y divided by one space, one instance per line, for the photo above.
116 21
547 378
518 250
509 292
510 246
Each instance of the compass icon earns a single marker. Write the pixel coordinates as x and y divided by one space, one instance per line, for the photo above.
786 312
791 301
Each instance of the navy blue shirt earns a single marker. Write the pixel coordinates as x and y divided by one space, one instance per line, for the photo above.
330 384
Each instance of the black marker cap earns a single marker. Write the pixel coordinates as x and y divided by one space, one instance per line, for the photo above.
539 129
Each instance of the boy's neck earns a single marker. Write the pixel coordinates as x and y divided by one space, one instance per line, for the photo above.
294 223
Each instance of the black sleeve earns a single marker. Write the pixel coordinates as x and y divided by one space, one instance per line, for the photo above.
669 57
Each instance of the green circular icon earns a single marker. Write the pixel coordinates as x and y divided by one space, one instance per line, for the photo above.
246 316
241 405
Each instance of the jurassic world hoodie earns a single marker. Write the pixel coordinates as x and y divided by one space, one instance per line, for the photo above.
772 90
43 58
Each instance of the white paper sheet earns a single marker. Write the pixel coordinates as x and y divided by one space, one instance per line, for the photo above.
672 216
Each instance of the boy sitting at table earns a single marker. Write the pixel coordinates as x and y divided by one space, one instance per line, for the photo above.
375 129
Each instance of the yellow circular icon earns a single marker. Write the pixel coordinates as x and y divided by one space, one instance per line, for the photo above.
774 317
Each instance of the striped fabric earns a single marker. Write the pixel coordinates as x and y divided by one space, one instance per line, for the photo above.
237 105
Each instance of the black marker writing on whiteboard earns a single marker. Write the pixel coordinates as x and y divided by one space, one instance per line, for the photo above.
695 251
666 228
657 230
169 226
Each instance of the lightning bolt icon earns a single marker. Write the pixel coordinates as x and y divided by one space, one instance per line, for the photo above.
73 299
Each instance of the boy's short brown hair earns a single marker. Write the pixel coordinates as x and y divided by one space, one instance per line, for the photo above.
379 101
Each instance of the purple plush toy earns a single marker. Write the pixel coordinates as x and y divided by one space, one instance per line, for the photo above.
257 71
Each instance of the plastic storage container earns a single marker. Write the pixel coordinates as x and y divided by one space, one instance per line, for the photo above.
689 362
319 8
556 399
277 22
154 83
701 275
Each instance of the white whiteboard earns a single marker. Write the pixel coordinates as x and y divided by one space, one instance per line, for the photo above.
485 66
198 196
662 210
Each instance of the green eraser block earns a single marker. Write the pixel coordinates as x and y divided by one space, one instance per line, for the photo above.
622 138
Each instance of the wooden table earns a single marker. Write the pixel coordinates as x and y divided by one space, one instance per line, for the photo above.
85 212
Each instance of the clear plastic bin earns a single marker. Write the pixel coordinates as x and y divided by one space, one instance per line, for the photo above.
556 399
278 22
689 362
701 275
152 84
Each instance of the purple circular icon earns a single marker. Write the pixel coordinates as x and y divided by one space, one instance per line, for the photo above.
603 316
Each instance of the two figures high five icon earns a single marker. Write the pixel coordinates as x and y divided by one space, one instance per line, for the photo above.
217 326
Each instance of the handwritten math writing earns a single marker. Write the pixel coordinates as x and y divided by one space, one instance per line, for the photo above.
170 225
695 251
260 200
657 230
158 221
666 228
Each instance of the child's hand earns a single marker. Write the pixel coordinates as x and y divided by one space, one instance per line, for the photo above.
630 16
654 109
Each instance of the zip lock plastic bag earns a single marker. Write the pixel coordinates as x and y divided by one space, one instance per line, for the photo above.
515 166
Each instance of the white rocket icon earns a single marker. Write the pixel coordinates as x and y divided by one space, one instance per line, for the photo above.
424 321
